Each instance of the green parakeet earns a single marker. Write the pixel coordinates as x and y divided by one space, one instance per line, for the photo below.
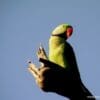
61 53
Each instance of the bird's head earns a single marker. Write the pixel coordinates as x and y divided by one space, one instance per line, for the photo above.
63 30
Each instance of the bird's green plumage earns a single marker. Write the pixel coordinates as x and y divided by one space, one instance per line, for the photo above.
57 51
60 29
58 47
61 52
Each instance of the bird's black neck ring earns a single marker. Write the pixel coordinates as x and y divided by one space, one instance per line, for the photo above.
60 35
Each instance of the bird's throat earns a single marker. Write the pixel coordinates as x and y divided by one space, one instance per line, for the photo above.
55 41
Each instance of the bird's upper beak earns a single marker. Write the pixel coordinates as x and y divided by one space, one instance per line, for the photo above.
69 32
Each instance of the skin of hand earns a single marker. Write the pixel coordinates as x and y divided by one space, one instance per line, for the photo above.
53 78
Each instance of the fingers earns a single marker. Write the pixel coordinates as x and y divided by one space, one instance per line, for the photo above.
33 70
41 54
38 73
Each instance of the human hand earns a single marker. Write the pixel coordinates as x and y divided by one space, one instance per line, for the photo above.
53 78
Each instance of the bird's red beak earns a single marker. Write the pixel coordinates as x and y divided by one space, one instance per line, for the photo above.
69 32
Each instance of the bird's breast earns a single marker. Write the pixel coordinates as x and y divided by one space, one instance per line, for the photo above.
56 52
